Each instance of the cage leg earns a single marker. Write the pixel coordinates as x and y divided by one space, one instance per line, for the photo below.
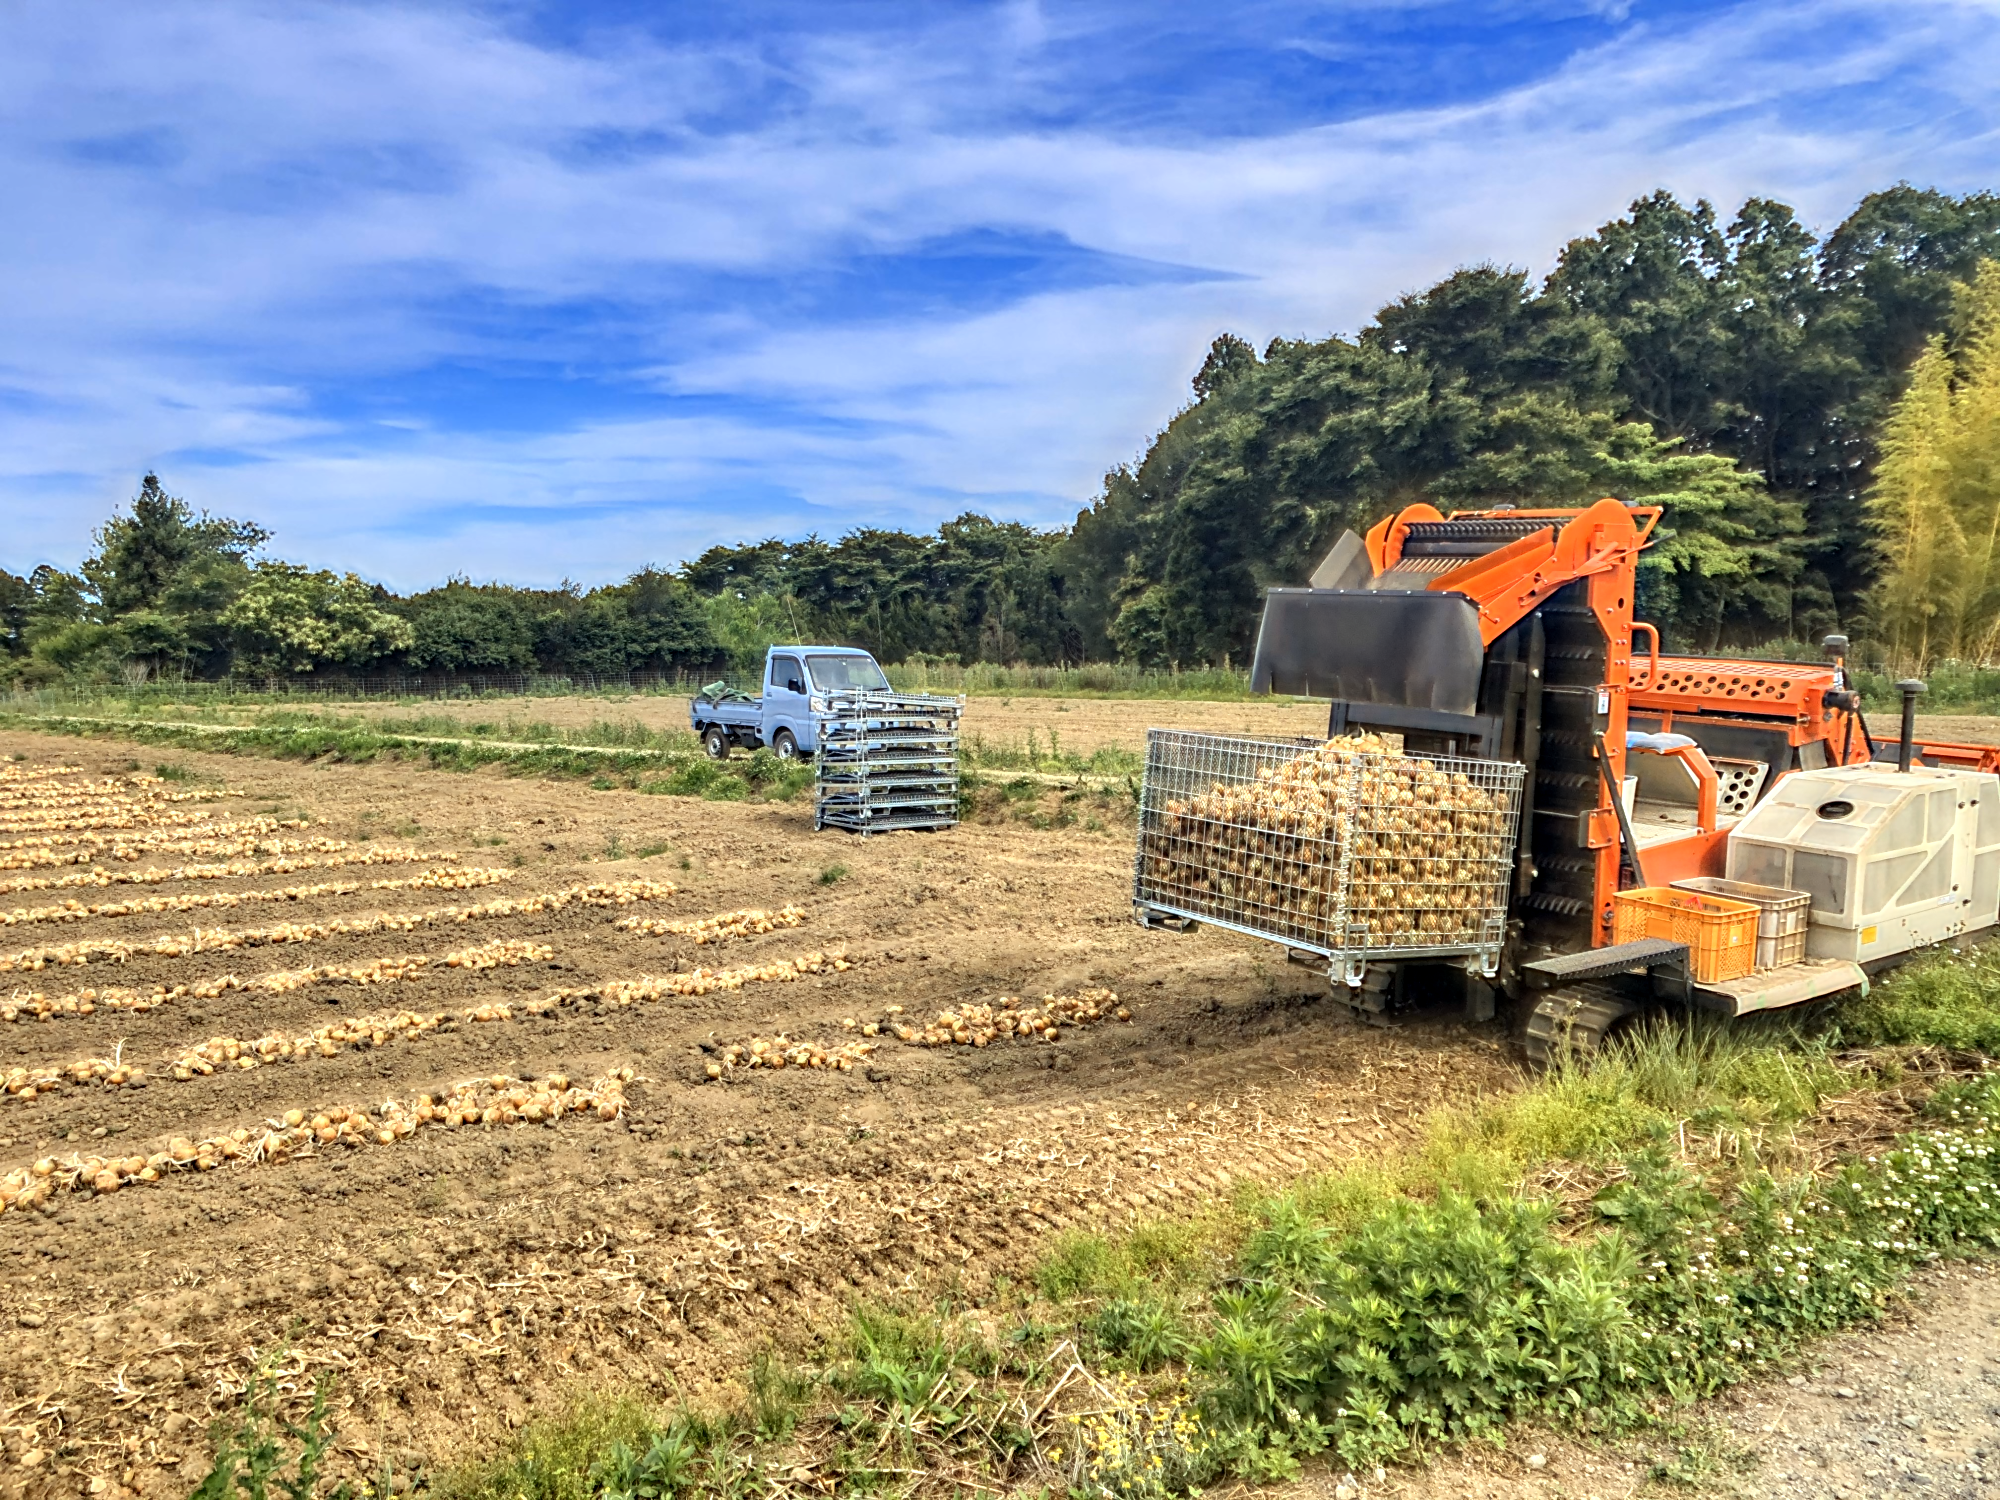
1379 992
1479 1004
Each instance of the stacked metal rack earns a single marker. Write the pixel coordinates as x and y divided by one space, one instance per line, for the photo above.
887 761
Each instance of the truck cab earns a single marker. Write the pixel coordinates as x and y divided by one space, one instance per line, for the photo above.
786 711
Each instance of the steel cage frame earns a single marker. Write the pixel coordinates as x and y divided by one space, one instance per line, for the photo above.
1373 863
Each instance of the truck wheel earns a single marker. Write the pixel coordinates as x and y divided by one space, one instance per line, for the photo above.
716 742
785 745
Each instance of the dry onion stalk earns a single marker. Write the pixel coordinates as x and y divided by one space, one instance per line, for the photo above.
750 922
497 1100
500 952
181 945
78 911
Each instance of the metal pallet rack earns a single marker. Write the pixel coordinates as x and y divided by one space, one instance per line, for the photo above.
887 761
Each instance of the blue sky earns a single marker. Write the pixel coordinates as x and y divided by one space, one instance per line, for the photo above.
534 292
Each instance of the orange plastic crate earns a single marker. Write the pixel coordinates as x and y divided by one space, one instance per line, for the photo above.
1721 935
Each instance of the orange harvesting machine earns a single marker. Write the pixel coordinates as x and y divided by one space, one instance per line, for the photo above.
1649 792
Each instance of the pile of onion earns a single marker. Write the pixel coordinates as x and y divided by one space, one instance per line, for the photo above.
750 922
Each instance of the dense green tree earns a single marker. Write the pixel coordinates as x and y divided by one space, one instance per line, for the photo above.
291 619
664 626
977 590
140 556
464 627
17 602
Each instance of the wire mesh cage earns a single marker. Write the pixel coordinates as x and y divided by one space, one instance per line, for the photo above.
887 761
1344 848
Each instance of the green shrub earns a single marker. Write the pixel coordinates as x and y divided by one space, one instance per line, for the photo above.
1438 1321
264 1454
1142 1330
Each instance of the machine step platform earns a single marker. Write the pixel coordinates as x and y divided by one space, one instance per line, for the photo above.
1602 963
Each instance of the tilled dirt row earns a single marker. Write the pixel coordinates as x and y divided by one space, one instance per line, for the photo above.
465 1277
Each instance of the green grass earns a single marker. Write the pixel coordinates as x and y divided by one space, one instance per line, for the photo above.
1047 756
1943 1000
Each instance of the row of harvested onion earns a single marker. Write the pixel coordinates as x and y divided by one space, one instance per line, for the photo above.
624 992
240 869
976 1025
441 879
499 952
323 1041
749 922
328 1040
181 945
781 1051
233 840
497 1100
119 817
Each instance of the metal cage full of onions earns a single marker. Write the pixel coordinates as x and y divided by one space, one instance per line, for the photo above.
1344 848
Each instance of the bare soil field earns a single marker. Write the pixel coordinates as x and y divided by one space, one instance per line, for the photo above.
462 1277
1081 725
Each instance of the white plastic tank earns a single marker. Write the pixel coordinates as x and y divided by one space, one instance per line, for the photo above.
1892 860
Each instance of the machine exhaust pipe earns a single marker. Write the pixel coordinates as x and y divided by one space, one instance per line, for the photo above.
1909 687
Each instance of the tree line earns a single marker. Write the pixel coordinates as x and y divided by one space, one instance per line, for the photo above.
1785 397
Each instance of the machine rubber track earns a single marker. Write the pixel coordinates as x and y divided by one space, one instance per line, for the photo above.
1575 1021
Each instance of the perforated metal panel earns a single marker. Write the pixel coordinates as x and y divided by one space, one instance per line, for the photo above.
1737 784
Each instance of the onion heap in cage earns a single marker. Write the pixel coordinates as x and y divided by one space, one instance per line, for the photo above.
1423 846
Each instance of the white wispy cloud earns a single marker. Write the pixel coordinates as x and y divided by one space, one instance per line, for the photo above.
220 213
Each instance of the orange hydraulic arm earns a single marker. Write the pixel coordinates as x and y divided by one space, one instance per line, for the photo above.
1603 540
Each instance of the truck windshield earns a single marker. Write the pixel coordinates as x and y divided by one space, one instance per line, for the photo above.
837 674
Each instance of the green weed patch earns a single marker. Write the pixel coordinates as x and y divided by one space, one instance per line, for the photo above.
1942 1000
